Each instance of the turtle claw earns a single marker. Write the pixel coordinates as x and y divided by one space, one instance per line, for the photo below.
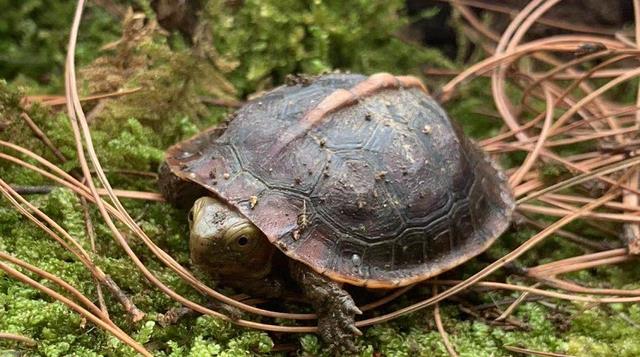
356 331
335 308
336 323
348 305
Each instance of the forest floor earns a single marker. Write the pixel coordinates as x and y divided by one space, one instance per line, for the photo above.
170 90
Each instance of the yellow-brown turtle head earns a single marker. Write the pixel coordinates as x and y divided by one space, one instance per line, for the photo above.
226 244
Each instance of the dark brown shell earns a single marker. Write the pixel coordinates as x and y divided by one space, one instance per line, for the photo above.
381 192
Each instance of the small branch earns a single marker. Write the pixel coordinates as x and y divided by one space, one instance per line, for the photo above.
149 174
58 100
19 338
125 301
441 330
138 195
175 314
507 10
569 264
92 238
532 352
586 243
558 212
515 304
42 137
96 111
33 190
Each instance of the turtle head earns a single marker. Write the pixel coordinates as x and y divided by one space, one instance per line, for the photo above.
226 244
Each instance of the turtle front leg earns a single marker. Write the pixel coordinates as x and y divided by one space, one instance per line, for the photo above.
334 306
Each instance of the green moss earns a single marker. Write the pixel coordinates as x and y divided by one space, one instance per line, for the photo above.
33 37
470 108
596 332
552 173
135 147
169 83
263 41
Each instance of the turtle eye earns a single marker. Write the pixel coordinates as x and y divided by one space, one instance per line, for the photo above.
244 238
190 217
243 241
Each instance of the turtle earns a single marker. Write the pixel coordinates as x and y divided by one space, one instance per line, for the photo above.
336 180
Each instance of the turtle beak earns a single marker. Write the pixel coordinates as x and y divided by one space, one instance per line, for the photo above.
207 219
206 232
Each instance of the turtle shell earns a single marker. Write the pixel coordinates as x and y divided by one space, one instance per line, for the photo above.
382 191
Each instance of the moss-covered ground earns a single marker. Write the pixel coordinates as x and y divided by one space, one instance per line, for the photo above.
253 46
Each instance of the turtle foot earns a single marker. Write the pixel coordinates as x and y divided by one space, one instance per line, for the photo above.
336 323
334 306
